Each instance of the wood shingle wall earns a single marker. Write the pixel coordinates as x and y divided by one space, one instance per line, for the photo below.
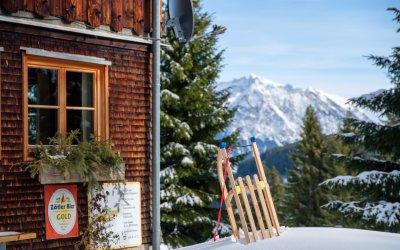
22 198
118 14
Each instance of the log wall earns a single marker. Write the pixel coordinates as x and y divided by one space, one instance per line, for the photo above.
22 198
118 14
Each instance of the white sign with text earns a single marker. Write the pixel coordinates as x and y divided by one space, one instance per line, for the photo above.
123 204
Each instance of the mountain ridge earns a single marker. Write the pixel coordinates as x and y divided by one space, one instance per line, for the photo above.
273 112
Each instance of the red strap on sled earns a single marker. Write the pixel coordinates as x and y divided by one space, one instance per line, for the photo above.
222 195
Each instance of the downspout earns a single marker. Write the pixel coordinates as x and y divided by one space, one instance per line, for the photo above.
156 227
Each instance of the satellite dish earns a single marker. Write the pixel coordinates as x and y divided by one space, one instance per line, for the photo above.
181 19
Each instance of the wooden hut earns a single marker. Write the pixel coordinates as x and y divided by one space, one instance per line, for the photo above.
105 41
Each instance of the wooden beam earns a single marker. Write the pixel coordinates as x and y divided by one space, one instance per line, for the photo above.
84 16
11 6
117 15
60 34
42 8
21 4
70 10
106 10
138 25
16 236
148 13
56 8
94 13
29 5
128 7
79 10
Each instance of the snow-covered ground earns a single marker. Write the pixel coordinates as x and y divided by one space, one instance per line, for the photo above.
312 238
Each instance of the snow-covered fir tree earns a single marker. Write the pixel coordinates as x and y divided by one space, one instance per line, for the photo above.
192 115
303 195
375 188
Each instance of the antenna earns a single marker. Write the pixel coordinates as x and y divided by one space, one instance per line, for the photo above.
181 19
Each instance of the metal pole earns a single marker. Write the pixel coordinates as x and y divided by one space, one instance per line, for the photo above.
156 126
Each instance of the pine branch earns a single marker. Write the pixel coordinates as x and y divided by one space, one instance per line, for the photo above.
366 164
366 181
376 137
385 102
381 212
397 15
173 149
168 175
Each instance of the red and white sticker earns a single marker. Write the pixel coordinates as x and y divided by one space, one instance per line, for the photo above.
61 211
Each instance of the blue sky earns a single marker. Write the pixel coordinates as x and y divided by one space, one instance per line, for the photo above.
307 43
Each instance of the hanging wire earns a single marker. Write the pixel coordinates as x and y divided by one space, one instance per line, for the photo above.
236 150
244 146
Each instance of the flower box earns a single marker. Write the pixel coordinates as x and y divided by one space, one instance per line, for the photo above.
52 175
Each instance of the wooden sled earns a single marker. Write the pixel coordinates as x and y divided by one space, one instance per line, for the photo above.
259 193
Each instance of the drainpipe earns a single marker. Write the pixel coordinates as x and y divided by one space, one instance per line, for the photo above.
156 227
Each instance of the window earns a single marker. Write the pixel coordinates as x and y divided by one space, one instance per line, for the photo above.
61 96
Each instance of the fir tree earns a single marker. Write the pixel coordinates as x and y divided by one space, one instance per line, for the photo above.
304 196
277 190
192 115
375 202
340 147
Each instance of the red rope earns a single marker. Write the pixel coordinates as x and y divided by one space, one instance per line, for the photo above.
222 195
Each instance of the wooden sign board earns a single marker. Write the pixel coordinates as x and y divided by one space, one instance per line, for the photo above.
61 211
124 203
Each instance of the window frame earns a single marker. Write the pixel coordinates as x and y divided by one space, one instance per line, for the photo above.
100 95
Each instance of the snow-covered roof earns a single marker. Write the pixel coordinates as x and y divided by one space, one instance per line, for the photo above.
312 238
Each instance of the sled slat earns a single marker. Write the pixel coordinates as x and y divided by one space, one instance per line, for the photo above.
248 209
239 207
256 207
264 206
266 190
226 198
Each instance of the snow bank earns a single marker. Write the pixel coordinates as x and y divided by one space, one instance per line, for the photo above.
313 238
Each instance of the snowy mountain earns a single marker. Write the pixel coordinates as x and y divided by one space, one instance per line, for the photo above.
273 112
